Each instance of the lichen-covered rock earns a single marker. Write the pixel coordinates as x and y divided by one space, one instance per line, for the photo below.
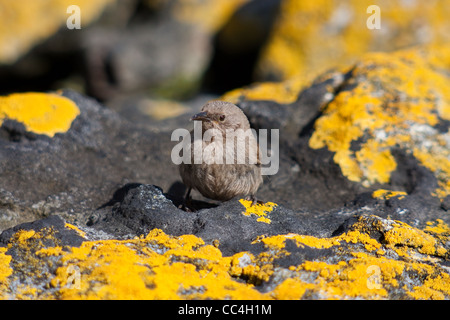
364 126
40 113
312 37
372 258
358 209
27 24
145 207
62 153
384 121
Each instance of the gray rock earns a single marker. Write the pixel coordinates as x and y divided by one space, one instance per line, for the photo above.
145 207
76 172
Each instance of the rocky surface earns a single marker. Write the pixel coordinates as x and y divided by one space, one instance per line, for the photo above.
358 209
90 199
308 39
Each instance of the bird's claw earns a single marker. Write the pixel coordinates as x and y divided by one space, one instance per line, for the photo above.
254 200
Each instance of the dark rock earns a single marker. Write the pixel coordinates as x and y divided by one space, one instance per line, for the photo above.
166 57
76 172
238 44
55 225
145 207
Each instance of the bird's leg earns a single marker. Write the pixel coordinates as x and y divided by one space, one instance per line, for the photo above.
187 206
253 199
187 198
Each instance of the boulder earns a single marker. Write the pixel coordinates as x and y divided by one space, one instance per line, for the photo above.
370 258
308 39
77 169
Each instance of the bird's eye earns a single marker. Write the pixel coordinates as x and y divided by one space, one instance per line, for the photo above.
222 117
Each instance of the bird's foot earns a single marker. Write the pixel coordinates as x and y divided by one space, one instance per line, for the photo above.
187 208
254 200
187 203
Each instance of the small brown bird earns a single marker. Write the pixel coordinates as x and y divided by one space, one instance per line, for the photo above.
230 163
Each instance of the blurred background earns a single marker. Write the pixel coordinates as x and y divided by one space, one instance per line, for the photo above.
152 58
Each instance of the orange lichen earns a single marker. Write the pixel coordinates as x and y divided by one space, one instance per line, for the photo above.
41 113
309 38
404 95
258 209
282 92
388 194
160 266
75 228
28 24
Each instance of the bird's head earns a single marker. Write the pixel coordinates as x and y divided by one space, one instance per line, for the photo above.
222 115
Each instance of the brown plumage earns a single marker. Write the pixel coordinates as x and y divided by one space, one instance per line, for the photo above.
216 181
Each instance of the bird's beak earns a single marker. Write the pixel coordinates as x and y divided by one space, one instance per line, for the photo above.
202 116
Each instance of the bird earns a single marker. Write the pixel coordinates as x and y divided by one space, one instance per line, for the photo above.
223 180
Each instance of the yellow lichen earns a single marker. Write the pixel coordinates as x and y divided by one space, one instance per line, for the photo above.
292 289
23 235
402 237
438 227
310 37
155 267
279 242
5 270
281 92
363 276
388 194
81 233
258 209
40 113
433 288
366 275
403 97
28 24
354 236
50 251
160 110
209 15
160 266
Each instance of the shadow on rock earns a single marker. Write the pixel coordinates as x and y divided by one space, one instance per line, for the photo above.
136 209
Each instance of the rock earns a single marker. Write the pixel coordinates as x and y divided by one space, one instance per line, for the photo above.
145 207
308 39
61 233
31 23
77 170
346 123
167 58
358 209
237 45
371 258
158 114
